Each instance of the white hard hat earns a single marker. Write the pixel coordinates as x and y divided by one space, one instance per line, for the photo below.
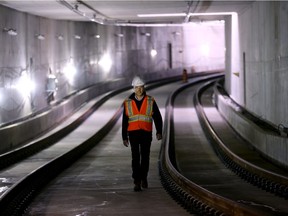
137 81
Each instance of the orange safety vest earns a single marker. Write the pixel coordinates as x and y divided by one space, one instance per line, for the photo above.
139 119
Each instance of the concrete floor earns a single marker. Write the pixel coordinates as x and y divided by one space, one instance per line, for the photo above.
100 182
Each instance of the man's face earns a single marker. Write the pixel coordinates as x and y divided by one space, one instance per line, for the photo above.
139 90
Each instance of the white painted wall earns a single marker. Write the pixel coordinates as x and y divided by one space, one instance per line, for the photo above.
264 40
262 84
204 46
233 75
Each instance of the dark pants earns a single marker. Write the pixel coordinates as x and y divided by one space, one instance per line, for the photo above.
140 142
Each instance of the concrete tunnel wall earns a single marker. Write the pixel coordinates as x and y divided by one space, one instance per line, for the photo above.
43 45
25 53
259 82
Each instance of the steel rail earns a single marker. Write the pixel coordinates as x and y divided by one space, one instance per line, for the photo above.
25 151
194 198
267 180
15 200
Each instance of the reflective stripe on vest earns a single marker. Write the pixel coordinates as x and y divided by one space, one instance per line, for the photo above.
140 119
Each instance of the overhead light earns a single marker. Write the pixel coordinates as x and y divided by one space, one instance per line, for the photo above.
153 52
162 15
24 84
40 37
10 31
70 70
120 35
78 37
147 34
105 62
184 14
96 36
213 22
211 14
60 37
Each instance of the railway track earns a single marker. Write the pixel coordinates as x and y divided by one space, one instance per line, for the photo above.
193 172
264 174
193 196
48 156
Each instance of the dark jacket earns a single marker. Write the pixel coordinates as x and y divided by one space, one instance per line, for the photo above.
157 118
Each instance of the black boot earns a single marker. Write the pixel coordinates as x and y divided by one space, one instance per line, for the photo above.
137 187
144 183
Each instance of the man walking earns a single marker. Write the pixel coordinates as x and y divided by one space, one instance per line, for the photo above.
140 110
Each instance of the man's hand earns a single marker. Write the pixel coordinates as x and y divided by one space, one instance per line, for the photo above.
159 136
125 143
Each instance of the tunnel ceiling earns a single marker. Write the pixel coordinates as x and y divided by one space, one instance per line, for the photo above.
127 12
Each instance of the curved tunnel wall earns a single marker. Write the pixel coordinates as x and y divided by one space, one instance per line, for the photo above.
43 46
14 135
260 85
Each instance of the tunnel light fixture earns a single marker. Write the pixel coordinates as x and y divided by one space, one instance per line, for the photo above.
10 31
40 36
153 52
24 84
213 22
105 62
60 37
78 37
96 36
184 14
119 35
163 15
70 71
147 34
211 14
